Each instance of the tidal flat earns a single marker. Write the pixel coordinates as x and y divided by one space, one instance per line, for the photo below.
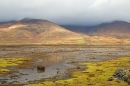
63 64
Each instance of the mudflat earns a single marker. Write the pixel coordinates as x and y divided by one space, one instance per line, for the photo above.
59 61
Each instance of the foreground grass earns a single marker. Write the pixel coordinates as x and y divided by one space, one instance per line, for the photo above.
96 74
10 62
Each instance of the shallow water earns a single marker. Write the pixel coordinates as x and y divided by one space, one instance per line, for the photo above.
57 61
24 76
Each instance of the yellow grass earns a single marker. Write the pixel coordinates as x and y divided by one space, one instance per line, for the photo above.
96 74
10 62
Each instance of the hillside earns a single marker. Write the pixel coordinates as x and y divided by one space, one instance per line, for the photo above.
117 29
36 31
114 32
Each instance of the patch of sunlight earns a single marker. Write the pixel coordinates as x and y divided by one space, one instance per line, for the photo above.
80 40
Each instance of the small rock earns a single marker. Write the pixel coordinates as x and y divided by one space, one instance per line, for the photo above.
78 67
110 79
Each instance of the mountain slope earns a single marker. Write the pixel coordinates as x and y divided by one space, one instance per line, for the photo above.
36 31
117 29
116 32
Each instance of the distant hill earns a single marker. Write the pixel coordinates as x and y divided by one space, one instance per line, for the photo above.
117 30
36 31
75 28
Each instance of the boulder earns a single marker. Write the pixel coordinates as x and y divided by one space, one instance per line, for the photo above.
41 68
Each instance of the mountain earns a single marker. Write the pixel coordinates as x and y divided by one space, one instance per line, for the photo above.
117 29
76 28
114 32
36 31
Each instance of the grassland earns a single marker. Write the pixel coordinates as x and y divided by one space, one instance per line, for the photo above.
96 74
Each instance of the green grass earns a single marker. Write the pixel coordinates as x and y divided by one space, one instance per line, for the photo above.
96 74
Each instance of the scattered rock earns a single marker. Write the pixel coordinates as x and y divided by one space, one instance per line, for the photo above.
110 79
78 67
72 62
58 72
57 69
120 73
123 74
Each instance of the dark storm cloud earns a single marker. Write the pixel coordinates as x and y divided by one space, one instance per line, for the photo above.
81 12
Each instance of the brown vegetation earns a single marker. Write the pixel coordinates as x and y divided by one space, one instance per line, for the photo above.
36 31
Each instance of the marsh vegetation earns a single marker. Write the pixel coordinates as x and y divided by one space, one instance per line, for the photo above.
64 65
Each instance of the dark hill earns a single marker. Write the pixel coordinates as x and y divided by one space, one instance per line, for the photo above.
117 29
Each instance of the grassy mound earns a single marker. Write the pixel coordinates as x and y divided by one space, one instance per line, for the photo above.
96 74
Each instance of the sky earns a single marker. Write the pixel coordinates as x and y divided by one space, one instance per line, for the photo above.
66 12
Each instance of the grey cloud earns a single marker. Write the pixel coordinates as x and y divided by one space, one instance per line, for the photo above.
78 12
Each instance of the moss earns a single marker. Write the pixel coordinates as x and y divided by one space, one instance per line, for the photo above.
2 70
96 74
9 62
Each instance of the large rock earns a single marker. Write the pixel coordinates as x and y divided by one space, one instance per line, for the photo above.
123 74
41 68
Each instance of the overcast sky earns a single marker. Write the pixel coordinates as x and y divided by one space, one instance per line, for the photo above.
76 12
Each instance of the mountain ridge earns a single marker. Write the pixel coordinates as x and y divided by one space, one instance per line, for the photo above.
36 31
111 28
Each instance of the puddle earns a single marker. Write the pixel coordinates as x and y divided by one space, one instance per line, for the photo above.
32 75
24 76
